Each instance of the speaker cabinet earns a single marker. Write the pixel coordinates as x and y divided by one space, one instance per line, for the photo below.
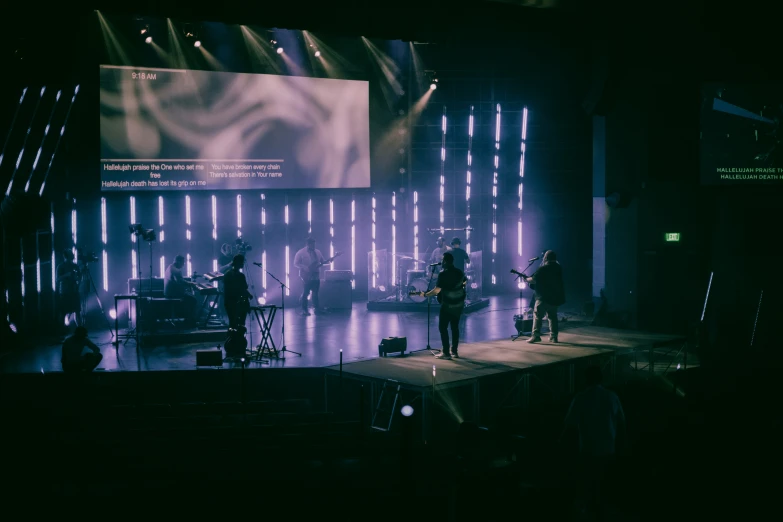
336 295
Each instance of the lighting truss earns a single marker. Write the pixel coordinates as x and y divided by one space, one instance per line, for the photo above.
468 181
495 192
523 151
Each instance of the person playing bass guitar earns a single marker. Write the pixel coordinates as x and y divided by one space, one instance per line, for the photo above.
450 289
309 260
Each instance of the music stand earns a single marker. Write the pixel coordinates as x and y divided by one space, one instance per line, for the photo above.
283 287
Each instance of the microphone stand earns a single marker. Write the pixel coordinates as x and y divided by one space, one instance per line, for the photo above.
283 288
429 303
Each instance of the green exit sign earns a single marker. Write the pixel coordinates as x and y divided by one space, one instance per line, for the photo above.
672 237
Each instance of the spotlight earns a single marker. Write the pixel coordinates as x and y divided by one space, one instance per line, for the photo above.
148 39
197 43
144 31
433 86
317 54
113 313
261 301
521 285
406 411
279 50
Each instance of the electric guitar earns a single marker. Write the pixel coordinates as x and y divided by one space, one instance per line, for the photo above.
315 265
524 276
458 293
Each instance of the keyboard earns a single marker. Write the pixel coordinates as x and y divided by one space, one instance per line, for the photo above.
214 276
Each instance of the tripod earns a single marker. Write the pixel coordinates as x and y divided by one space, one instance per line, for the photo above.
283 288
91 288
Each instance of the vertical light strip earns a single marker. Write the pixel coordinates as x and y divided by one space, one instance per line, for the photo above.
38 266
74 238
43 141
331 232
263 243
415 225
134 267
239 215
162 267
54 257
468 181
21 255
353 242
287 252
213 200
521 179
104 240
188 235
374 259
394 239
707 297
161 220
442 170
495 193
24 143
59 139
309 216
10 129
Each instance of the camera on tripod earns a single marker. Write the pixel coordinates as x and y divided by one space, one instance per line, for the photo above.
242 247
88 257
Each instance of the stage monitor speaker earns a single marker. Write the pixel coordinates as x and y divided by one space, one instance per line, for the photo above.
338 275
393 345
211 357
336 294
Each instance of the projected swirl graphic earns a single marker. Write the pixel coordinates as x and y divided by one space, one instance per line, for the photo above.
163 129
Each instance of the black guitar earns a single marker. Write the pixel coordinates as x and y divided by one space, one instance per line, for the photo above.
524 276
457 294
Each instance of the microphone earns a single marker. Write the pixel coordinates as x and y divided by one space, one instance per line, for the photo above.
258 264
435 264
534 259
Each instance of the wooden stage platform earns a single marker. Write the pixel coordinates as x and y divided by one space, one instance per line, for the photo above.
488 364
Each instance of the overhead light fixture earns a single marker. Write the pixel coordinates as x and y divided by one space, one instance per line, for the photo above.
148 39
317 54
433 86
197 43
279 50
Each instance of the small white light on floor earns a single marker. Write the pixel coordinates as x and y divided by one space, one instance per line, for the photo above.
113 313
406 411
678 366
242 360
521 285
261 301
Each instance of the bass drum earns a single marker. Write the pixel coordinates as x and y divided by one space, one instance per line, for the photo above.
418 285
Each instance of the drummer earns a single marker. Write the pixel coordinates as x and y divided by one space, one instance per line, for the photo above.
437 253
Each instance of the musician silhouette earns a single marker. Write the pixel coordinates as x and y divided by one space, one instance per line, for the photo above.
68 281
175 286
236 296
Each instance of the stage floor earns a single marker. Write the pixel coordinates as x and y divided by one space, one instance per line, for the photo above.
358 332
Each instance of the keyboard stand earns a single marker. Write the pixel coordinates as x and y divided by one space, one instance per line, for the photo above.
265 320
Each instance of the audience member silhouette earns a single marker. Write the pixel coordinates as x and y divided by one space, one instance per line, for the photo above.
79 353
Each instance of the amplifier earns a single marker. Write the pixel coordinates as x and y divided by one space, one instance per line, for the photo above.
336 294
393 345
338 275
146 287
213 357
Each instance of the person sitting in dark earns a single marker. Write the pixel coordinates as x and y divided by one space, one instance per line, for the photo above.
75 358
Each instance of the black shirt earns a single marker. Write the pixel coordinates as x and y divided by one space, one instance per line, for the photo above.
234 287
450 284
549 284
460 258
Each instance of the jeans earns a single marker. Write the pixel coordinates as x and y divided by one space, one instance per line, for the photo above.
311 286
540 310
449 317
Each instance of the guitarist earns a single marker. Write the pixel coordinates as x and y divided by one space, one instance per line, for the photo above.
450 289
550 293
309 260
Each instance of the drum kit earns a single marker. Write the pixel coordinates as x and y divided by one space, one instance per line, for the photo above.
414 280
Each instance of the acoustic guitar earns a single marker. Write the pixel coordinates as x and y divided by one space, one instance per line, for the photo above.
524 276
